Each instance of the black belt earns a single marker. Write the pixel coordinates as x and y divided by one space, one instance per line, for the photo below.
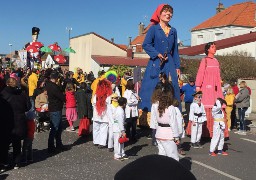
198 114
164 125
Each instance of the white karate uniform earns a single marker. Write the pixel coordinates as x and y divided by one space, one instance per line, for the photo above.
131 109
196 130
110 129
153 116
218 127
180 121
118 128
165 135
101 122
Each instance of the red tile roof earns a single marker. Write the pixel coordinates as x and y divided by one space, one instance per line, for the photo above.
123 46
221 44
242 14
140 38
117 60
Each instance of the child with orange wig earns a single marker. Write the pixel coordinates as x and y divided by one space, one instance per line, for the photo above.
101 113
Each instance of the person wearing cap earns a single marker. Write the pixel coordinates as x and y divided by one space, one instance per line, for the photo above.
188 90
56 100
197 117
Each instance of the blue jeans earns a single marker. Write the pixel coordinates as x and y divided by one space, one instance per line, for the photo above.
56 129
32 101
241 115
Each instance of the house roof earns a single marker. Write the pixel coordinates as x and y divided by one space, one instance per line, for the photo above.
117 60
242 14
140 38
221 44
121 47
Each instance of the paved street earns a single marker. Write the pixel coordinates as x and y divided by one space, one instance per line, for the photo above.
84 161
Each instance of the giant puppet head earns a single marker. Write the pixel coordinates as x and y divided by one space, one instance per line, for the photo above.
35 32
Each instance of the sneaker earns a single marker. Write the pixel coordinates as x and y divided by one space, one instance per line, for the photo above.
194 145
16 166
118 159
110 149
62 148
199 145
229 130
101 147
212 154
125 157
242 133
237 132
223 153
154 143
181 152
72 128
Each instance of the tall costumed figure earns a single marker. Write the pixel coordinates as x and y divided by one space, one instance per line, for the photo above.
33 49
208 81
161 45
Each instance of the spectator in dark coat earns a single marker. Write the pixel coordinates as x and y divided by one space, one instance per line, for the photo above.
84 105
7 123
56 100
20 104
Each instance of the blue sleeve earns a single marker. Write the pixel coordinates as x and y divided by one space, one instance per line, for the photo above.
148 44
175 51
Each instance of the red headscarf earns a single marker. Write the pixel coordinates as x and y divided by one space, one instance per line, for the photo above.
155 19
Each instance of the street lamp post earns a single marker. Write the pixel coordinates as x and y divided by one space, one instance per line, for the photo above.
69 29
10 55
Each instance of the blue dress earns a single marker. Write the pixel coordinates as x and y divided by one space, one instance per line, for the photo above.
157 42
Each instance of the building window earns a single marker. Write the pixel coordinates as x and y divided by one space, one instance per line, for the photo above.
200 39
218 36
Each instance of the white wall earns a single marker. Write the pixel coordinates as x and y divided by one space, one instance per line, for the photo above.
88 45
208 35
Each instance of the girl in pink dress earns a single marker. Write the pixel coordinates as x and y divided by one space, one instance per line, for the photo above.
208 81
71 113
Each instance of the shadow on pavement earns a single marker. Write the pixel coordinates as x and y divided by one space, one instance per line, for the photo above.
82 140
135 149
186 162
3 176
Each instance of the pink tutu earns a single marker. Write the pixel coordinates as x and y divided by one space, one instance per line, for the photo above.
71 114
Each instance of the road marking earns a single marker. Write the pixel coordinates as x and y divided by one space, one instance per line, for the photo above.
248 140
212 168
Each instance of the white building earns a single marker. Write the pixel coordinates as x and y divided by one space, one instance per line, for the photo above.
238 19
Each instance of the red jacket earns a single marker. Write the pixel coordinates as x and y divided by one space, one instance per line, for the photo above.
70 99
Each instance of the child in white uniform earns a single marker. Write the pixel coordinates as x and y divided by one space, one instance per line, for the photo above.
218 128
118 129
197 116
114 105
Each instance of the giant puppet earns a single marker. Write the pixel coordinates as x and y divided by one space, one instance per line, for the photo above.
33 48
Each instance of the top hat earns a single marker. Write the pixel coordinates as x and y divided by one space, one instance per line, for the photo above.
35 31
198 92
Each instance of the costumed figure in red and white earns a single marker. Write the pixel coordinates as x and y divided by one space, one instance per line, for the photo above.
208 81
102 113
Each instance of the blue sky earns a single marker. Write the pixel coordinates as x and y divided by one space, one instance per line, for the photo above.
113 18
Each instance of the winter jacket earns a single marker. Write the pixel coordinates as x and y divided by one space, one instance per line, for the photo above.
19 102
243 98
32 83
55 97
84 105
70 99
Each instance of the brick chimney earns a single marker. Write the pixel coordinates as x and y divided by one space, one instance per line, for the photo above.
129 52
141 28
220 8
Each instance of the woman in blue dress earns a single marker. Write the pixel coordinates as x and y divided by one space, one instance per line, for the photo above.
161 45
